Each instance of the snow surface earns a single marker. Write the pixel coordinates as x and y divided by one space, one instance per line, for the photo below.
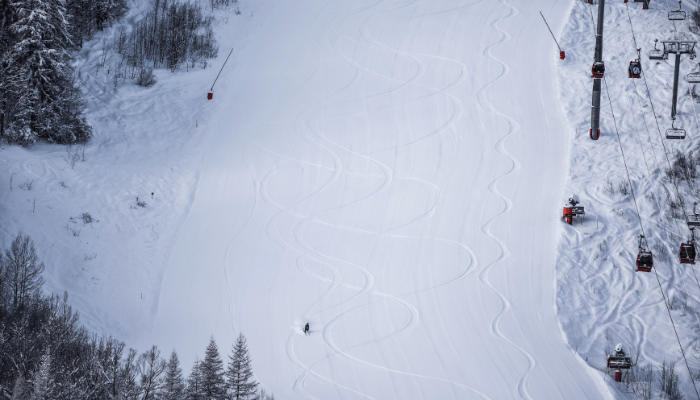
599 294
390 171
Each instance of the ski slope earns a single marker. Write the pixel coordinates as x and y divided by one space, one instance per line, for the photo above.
389 171
601 299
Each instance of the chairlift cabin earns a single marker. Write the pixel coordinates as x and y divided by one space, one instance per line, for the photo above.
687 253
210 95
675 133
677 15
645 260
657 54
598 69
635 69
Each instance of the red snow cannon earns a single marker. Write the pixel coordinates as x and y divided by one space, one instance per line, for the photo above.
572 210
568 214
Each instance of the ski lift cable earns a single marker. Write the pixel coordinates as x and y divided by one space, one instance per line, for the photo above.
624 160
619 141
646 126
634 38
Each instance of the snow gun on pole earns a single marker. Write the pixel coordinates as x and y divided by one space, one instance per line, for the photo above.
210 95
561 52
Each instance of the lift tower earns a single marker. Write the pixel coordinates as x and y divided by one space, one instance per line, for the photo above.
677 47
597 71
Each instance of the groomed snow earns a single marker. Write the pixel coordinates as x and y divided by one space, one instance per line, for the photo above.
390 171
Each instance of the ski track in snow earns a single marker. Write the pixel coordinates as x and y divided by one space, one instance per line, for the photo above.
513 128
413 319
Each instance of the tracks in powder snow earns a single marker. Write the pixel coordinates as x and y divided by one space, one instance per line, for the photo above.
513 128
307 128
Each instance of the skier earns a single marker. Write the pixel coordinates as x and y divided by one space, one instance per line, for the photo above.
306 329
618 351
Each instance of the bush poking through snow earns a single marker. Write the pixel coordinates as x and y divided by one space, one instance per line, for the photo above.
624 187
669 382
694 24
146 77
608 188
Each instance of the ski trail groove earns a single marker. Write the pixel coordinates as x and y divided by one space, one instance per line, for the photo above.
513 127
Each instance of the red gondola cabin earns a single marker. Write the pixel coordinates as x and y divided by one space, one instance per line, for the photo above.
687 253
210 95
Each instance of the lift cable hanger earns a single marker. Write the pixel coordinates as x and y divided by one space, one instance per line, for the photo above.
561 52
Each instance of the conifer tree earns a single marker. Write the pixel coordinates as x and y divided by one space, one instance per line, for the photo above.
51 106
194 383
173 387
240 372
212 368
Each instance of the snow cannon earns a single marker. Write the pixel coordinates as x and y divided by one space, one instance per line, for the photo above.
571 210
618 361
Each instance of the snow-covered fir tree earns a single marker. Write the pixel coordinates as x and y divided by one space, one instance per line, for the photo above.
173 385
212 369
50 105
193 391
239 375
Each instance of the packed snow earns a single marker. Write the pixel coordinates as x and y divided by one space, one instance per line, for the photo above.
392 172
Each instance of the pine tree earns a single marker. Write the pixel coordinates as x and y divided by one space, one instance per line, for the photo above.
194 383
174 387
213 383
240 372
51 106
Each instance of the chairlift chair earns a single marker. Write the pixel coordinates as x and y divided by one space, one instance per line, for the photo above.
694 218
656 54
598 69
645 260
676 15
675 133
694 77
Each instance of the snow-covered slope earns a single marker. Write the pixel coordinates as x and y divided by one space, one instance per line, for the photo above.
601 300
389 171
